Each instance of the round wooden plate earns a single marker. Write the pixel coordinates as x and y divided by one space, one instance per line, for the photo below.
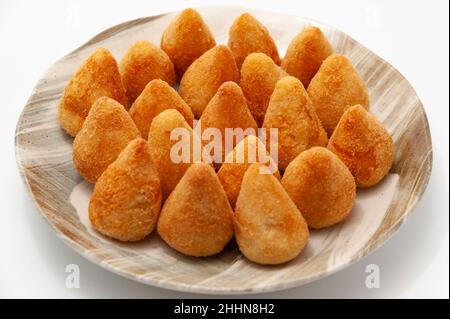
44 157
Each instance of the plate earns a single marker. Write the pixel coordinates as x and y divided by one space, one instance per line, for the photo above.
44 157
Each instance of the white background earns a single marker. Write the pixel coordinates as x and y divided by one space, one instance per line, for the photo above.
411 35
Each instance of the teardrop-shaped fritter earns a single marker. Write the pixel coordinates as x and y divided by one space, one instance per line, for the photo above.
250 150
321 186
196 219
126 201
290 111
157 97
268 226
227 110
306 53
185 39
259 74
334 88
142 63
364 145
166 148
98 76
203 77
247 35
105 133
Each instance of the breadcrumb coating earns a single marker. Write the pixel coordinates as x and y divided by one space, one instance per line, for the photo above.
247 35
259 74
142 63
105 133
364 145
250 150
161 145
196 219
185 39
98 76
321 186
126 201
269 228
290 111
155 98
334 88
305 54
227 109
205 75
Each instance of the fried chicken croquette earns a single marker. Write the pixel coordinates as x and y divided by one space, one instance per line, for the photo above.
290 111
321 186
334 88
364 145
196 219
126 201
163 147
142 63
250 150
157 97
247 35
306 53
227 110
268 226
259 74
105 133
205 75
98 76
185 39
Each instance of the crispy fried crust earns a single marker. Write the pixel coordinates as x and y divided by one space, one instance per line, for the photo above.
306 53
247 35
185 39
269 228
142 63
157 97
203 77
106 131
259 74
196 219
227 109
290 111
237 162
161 145
321 186
334 88
126 200
98 76
364 145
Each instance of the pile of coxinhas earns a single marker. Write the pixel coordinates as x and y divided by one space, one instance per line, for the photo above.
122 115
